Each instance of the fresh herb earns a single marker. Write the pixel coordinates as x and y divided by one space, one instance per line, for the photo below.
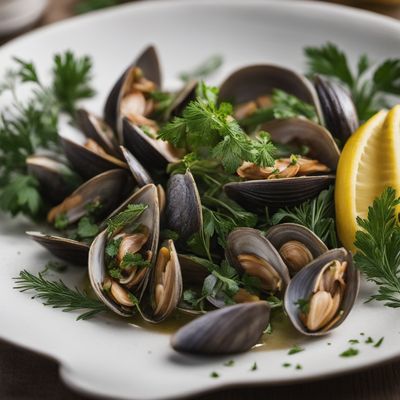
205 125
284 105
286 365
134 260
57 295
295 349
61 221
351 352
115 273
298 366
303 305
362 333
274 301
54 266
86 6
368 94
87 229
214 374
113 247
205 69
354 341
268 330
329 344
229 363
369 340
316 214
379 342
128 216
377 243
254 367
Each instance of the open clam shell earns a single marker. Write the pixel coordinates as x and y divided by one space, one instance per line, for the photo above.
337 108
66 249
165 285
140 174
251 242
148 62
230 330
108 188
151 153
296 244
250 82
98 130
301 131
183 210
97 268
302 285
56 179
277 193
88 162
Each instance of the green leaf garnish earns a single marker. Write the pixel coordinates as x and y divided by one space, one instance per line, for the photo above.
295 349
205 69
125 217
351 352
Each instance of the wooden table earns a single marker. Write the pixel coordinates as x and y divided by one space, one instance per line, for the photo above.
24 375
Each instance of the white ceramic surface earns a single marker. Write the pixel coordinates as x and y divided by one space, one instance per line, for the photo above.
111 358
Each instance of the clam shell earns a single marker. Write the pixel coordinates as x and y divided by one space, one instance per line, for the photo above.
86 162
141 176
252 241
277 193
302 284
109 188
282 233
305 132
56 179
229 330
69 250
97 269
98 130
148 61
337 108
253 81
151 153
183 210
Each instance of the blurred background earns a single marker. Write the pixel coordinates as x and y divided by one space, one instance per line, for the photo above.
19 16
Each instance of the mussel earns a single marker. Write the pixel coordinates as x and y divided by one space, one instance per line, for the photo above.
250 252
232 329
140 174
338 110
183 210
296 244
322 294
120 277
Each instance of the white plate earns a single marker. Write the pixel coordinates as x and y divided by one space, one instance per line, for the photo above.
112 358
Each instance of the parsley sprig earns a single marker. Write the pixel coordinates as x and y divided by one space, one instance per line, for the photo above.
57 295
378 243
208 128
127 216
368 93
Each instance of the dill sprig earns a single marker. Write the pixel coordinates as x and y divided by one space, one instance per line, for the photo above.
57 295
378 244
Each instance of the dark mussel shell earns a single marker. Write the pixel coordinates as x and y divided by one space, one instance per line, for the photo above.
277 193
140 175
66 249
182 99
338 110
148 62
229 330
183 210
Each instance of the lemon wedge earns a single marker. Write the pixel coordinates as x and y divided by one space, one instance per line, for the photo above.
370 162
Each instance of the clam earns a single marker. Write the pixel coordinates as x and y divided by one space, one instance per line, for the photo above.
183 209
165 285
56 179
138 238
107 190
99 131
321 295
140 174
148 62
338 110
256 81
89 158
296 244
232 329
69 250
303 132
250 252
